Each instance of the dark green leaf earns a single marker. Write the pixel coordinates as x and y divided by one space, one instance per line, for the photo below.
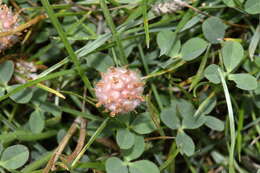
51 108
99 61
23 96
39 96
229 3
1 148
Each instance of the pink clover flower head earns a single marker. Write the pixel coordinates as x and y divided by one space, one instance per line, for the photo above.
8 22
120 90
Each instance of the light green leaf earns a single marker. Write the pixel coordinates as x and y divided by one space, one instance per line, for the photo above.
170 118
143 166
185 108
193 21
165 41
232 53
193 48
252 6
214 29
244 81
36 121
113 165
135 151
125 139
193 122
211 73
185 143
6 72
175 49
23 96
14 157
214 123
143 124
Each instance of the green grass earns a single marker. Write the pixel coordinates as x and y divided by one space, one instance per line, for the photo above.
81 39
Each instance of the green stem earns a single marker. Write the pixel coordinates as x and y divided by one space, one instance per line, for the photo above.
37 163
26 136
146 68
173 153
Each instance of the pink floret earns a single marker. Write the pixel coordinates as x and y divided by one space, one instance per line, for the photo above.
8 22
120 90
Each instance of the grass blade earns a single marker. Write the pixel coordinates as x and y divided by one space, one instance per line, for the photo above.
254 42
67 45
231 122
91 140
115 34
146 24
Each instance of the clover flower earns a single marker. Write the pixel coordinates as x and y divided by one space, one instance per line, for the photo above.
120 90
168 7
8 22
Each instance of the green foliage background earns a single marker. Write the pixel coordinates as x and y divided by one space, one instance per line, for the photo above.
201 66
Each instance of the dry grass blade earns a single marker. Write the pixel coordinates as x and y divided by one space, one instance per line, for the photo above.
24 26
